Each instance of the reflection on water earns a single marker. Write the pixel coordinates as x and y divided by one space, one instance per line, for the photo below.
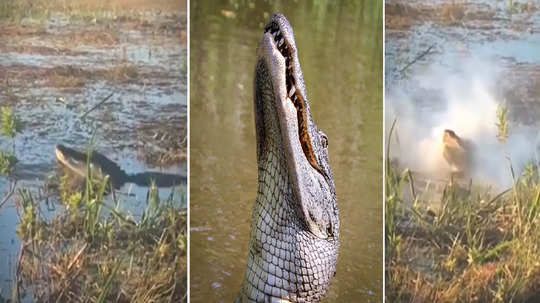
340 50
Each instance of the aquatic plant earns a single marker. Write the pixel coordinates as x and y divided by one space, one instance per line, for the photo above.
502 123
7 162
11 125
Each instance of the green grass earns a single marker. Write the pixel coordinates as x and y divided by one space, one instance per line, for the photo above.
481 245
10 126
91 251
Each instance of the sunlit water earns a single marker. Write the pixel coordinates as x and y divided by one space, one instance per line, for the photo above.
340 50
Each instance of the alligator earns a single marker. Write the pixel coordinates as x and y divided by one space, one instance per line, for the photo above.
78 163
294 238
457 153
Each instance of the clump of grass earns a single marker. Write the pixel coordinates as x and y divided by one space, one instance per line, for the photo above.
7 162
92 251
122 73
502 123
10 127
61 81
452 12
480 246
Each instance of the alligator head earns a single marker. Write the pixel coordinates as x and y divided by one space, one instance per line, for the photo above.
456 152
99 165
295 224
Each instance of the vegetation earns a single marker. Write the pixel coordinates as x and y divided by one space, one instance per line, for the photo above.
92 252
480 246
37 11
10 126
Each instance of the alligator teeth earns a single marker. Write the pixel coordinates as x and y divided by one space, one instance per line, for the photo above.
280 43
291 92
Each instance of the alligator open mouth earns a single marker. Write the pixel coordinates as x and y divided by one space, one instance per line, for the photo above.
295 95
295 217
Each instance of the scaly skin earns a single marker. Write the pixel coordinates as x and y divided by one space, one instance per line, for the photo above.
295 223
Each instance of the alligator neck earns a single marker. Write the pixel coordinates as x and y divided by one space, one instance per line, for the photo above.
295 224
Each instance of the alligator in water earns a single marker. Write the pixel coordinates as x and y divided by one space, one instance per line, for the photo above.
77 162
294 240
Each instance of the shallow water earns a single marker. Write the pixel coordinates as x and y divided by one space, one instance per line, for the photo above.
339 46
52 115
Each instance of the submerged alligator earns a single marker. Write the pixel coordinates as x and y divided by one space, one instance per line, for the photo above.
294 241
77 162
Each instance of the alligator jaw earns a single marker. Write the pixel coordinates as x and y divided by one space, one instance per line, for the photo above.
295 223
73 164
311 181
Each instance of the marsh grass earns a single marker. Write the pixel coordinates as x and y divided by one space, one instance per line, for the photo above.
10 126
121 73
93 252
79 11
481 245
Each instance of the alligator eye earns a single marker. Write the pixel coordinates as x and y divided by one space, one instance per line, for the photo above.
329 229
324 140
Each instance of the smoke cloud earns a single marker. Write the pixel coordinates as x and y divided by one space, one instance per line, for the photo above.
461 95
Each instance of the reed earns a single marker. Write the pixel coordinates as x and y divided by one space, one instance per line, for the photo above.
481 245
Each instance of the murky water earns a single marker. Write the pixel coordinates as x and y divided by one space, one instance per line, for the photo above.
340 50
53 114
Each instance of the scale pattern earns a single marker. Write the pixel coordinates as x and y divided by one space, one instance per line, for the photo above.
285 262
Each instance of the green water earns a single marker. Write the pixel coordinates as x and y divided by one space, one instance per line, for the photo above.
340 50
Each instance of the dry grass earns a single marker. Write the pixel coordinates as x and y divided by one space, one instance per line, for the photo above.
94 10
122 73
452 12
480 246
91 252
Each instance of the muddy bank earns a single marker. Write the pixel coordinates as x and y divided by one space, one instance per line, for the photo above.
473 15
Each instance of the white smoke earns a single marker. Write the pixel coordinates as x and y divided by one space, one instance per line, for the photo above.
462 95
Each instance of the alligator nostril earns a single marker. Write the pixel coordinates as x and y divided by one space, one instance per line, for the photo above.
329 230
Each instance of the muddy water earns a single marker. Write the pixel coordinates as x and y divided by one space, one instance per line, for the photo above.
340 47
38 68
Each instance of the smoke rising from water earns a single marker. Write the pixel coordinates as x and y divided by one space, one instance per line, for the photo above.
462 96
